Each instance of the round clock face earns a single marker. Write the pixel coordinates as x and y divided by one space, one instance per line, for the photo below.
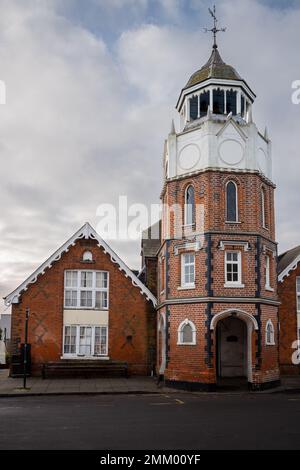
231 152
189 157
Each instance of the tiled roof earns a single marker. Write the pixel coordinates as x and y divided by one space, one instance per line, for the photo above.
288 261
215 67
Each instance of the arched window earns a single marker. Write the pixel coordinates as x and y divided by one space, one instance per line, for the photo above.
231 202
87 256
270 336
204 103
187 332
263 208
218 102
231 102
194 107
189 206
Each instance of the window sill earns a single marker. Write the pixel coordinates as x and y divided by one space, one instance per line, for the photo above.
187 287
92 358
92 309
234 286
186 344
233 223
268 288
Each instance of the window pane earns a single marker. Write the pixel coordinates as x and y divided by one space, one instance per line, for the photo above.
70 298
100 341
187 334
101 280
71 278
231 200
204 103
70 340
231 102
85 341
298 284
189 206
86 298
242 105
194 107
101 300
86 279
218 101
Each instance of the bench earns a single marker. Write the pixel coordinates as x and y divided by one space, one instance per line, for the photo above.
84 369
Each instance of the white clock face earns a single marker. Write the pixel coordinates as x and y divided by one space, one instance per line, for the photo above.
231 152
189 157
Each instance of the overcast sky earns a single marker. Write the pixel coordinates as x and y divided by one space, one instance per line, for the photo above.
91 91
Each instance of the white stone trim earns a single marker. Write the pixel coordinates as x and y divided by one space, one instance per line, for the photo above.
272 341
241 314
85 232
224 243
291 267
195 246
192 325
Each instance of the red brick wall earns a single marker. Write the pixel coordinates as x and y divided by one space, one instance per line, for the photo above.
192 362
130 314
288 321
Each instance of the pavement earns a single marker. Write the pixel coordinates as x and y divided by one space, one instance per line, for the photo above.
36 386
151 421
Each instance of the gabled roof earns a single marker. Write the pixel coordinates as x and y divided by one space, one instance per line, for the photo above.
87 231
287 262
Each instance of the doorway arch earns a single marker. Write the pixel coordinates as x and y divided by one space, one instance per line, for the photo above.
233 334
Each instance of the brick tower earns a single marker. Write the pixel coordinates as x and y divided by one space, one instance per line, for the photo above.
217 282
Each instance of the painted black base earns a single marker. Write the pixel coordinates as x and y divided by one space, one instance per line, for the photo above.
191 386
263 386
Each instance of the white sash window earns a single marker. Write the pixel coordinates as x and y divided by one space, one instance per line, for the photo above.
85 341
86 289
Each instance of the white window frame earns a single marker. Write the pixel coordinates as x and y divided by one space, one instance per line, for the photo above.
186 210
236 221
77 344
298 294
237 283
268 273
78 288
270 342
263 207
184 284
180 332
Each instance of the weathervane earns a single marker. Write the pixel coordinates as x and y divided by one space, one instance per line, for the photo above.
215 29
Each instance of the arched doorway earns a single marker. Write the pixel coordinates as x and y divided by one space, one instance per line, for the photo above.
232 348
233 338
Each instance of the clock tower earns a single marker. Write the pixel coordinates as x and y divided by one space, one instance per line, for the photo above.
217 281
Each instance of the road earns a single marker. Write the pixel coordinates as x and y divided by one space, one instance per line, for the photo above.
177 421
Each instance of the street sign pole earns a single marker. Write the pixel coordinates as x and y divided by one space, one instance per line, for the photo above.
25 348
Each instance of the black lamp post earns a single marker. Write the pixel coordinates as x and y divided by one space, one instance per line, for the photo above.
25 348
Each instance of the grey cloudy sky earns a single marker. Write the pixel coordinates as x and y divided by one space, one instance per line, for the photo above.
91 90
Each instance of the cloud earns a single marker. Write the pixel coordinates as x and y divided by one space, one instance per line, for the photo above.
86 117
